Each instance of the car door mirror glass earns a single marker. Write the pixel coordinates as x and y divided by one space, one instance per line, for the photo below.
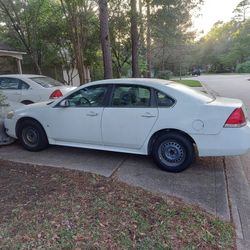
64 103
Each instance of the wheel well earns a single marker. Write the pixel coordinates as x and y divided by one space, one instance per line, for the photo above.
23 119
165 131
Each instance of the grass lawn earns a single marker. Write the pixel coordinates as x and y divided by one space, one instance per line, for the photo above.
49 208
190 83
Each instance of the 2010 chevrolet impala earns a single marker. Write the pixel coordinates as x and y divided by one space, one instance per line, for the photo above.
142 116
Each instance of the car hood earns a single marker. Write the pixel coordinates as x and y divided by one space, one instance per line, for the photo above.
33 106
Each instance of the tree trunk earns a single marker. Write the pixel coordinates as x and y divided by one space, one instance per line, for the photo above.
148 41
134 39
141 26
37 68
105 39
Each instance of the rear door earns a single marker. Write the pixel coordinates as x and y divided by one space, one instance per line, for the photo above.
129 118
10 87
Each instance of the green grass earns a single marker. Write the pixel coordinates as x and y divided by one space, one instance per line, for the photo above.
190 83
48 208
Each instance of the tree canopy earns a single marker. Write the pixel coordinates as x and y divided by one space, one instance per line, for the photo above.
66 33
227 45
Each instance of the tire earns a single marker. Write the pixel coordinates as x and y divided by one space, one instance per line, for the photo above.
173 152
32 136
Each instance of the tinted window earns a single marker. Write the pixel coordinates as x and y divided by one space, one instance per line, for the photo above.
131 96
88 97
164 100
46 82
23 85
9 83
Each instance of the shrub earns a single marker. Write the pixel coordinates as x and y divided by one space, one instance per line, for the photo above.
243 67
164 74
2 99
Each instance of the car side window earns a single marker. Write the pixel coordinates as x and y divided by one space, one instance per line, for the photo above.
9 83
163 100
23 85
131 96
88 97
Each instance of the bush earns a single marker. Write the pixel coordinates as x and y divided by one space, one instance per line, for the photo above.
2 99
164 74
243 67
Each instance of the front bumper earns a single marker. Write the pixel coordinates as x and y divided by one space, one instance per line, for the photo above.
10 127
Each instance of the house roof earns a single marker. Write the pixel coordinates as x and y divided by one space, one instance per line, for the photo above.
8 48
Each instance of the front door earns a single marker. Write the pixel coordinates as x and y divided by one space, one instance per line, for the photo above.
80 120
128 120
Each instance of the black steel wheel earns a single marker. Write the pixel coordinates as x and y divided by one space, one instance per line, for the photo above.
173 152
32 135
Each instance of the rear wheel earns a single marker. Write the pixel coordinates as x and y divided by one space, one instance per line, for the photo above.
173 152
32 136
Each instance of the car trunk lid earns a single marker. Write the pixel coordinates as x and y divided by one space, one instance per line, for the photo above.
215 114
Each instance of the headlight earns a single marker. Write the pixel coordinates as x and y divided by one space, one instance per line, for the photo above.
10 114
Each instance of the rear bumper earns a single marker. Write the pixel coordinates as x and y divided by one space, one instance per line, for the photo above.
230 141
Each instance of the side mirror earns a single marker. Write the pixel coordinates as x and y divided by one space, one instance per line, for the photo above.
64 103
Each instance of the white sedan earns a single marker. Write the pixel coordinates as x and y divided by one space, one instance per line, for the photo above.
28 89
142 116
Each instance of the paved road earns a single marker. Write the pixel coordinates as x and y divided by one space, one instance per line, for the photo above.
234 86
237 168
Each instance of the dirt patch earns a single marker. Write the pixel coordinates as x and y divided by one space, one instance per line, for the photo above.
50 208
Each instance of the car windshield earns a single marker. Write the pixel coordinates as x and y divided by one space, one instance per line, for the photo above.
46 82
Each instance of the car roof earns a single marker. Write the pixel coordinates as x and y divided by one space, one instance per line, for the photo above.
144 81
174 89
22 75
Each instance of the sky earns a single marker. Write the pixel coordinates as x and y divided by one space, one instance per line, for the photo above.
213 11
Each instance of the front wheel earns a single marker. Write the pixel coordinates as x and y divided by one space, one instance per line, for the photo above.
173 152
32 136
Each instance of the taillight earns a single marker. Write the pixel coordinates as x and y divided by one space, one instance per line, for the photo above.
57 93
236 119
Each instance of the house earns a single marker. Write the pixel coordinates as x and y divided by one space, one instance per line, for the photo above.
10 60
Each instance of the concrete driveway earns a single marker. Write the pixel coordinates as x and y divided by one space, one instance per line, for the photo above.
203 184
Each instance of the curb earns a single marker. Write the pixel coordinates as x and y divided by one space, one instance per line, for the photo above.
238 195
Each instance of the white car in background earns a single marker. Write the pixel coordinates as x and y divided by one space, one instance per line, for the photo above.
141 116
29 89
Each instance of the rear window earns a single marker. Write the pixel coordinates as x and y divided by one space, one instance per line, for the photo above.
197 94
46 82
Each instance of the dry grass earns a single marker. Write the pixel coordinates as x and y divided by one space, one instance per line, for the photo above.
48 208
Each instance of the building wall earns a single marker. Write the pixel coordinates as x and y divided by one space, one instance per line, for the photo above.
8 65
73 78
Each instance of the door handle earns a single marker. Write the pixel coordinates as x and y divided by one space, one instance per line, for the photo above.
92 113
148 115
